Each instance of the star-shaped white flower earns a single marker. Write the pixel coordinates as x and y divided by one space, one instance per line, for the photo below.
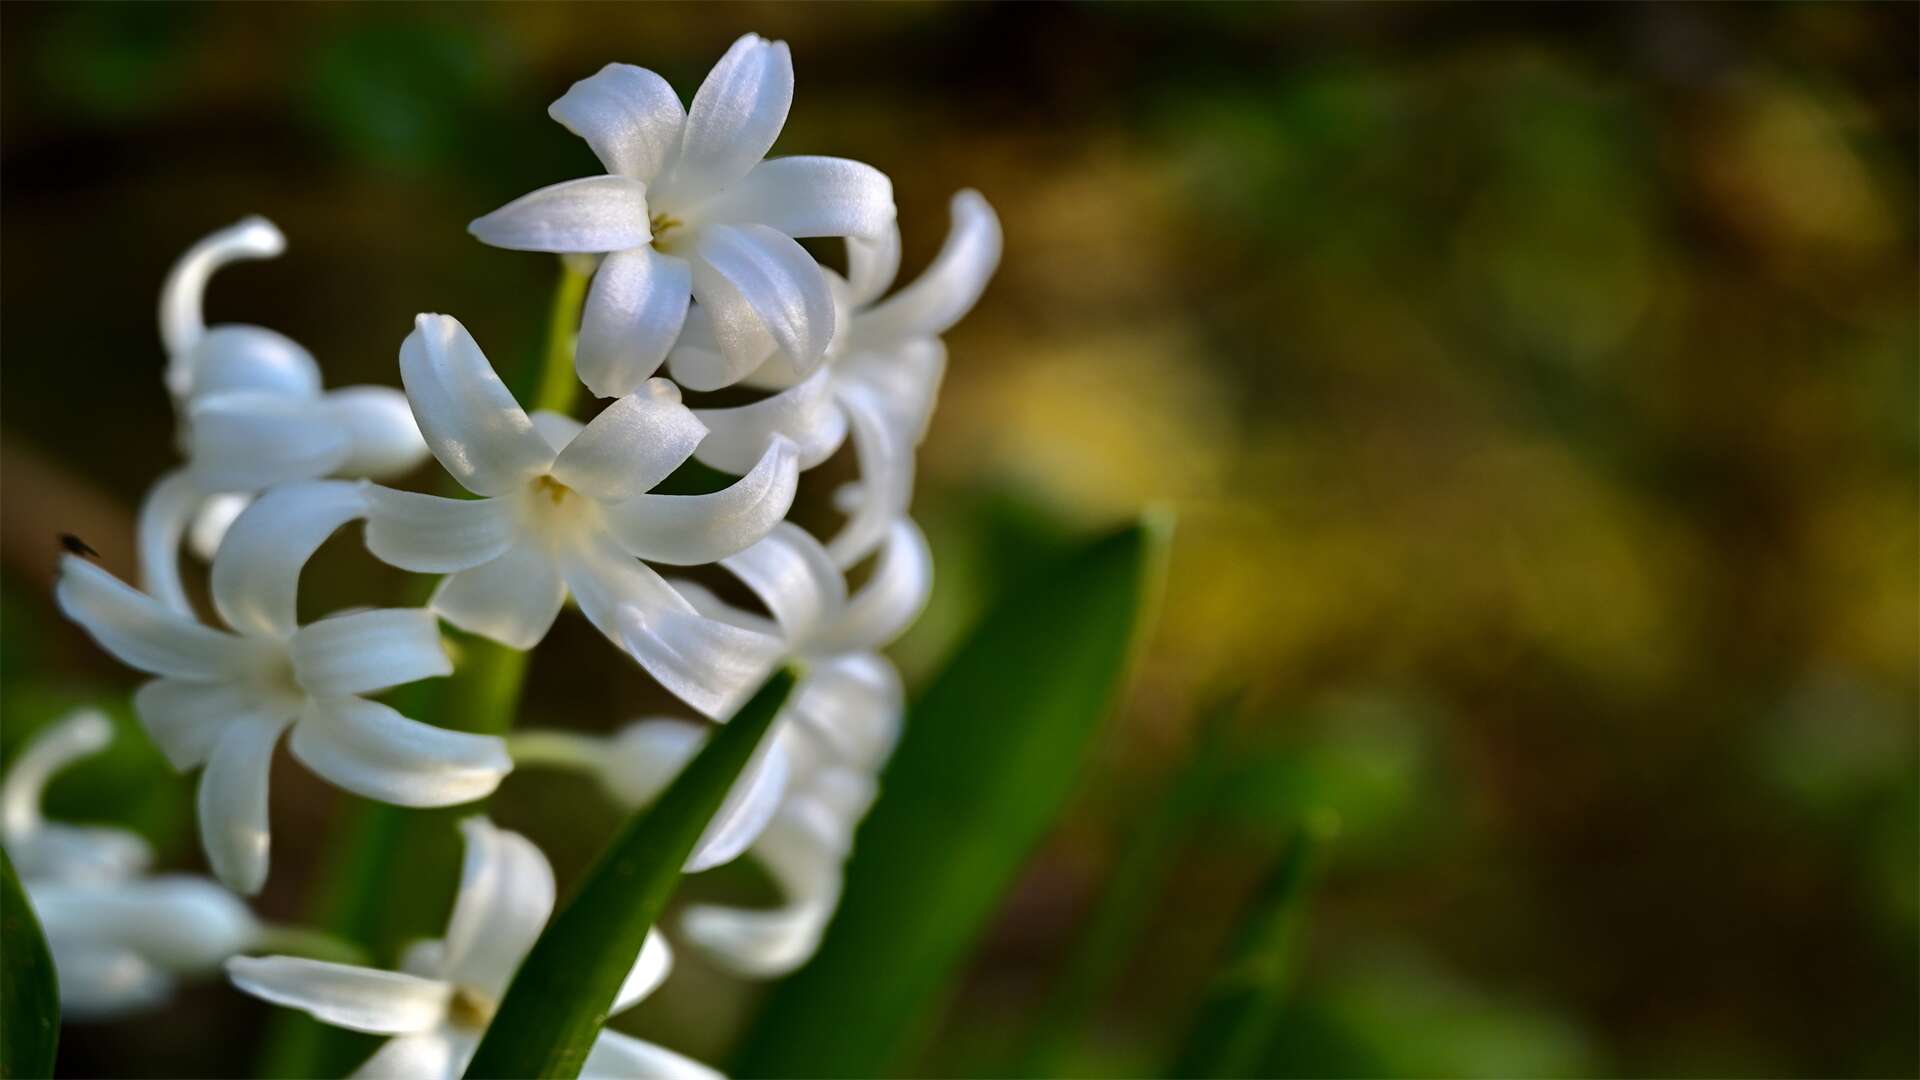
251 414
223 698
438 1007
119 939
881 375
564 509
689 209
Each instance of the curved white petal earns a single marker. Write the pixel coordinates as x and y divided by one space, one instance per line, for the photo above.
698 363
650 969
513 599
211 522
186 719
872 263
854 703
758 285
809 196
768 942
709 664
43 849
886 476
468 416
736 114
905 378
646 756
355 998
383 439
892 597
438 1054
256 572
181 321
170 502
245 440
104 982
506 894
590 215
603 579
181 923
688 530
633 314
737 437
362 652
622 1057
633 444
138 631
557 429
431 535
233 804
628 115
794 577
237 357
372 750
948 289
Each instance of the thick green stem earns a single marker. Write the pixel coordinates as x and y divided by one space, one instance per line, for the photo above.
558 386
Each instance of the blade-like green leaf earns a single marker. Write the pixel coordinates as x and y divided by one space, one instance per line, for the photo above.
560 997
29 992
990 753
1236 1020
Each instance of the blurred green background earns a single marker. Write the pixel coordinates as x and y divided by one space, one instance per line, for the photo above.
1537 387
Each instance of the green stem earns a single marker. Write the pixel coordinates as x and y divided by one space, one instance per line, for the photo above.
562 749
307 942
558 386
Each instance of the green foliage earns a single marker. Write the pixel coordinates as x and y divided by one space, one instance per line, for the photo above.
990 753
560 997
29 994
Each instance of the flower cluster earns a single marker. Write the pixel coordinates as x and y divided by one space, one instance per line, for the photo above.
699 274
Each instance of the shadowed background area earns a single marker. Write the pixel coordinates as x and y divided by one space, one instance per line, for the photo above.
1536 387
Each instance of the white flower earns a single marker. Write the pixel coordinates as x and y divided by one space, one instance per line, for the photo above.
251 414
688 208
223 699
880 378
438 1007
118 939
564 509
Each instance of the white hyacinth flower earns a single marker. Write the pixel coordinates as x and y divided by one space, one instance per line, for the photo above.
251 414
119 940
880 379
564 509
438 1007
689 209
223 698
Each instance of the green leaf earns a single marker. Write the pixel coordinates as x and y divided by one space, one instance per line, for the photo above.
29 992
1236 1021
989 755
560 997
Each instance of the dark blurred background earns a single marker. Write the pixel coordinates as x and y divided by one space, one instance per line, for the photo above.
1536 386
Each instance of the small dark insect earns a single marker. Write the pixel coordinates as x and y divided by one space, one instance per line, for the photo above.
78 546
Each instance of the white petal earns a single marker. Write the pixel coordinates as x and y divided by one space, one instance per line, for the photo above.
646 756
603 579
355 998
431 535
181 322
698 363
506 894
182 923
237 357
855 704
137 630
185 719
737 437
245 440
893 596
233 804
706 663
513 599
633 444
885 455
105 982
256 572
384 440
78 735
371 750
759 285
558 430
439 1054
170 502
650 969
210 524
362 652
689 530
622 1057
467 414
949 287
872 262
590 215
628 115
736 114
906 379
633 314
809 196
794 577
764 943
